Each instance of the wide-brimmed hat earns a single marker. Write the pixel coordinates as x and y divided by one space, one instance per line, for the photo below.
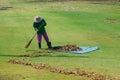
37 17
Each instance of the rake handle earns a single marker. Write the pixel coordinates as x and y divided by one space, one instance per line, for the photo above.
28 44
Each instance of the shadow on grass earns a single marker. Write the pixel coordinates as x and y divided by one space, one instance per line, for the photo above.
45 55
6 55
62 56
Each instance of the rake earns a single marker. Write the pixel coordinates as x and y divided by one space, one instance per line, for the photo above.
28 44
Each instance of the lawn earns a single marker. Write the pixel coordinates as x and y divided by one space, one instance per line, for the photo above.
78 23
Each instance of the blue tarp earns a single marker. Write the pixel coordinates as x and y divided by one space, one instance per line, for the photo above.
85 49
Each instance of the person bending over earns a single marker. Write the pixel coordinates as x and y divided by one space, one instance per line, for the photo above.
39 26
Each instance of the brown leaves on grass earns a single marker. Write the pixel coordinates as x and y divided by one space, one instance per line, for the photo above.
69 48
38 53
92 75
65 48
110 20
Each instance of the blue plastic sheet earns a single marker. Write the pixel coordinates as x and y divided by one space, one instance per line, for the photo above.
85 49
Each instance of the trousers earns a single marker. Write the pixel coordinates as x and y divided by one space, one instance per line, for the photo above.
39 37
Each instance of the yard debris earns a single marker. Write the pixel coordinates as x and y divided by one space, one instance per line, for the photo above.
38 53
92 75
68 48
110 20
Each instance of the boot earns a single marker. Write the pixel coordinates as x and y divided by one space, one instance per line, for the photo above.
39 45
49 45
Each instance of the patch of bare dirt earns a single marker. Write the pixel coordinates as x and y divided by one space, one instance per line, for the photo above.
91 75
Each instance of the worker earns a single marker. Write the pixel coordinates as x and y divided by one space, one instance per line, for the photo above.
39 26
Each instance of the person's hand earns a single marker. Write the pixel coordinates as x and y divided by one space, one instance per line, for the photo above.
37 30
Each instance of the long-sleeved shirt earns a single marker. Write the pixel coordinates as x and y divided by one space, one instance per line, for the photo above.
40 26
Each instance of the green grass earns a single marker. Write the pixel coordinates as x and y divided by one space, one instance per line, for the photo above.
83 24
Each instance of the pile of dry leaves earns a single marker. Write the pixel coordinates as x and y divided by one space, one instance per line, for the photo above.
68 48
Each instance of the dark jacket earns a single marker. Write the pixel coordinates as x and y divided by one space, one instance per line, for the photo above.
40 26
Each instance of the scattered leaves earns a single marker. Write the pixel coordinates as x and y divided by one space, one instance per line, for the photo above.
92 75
